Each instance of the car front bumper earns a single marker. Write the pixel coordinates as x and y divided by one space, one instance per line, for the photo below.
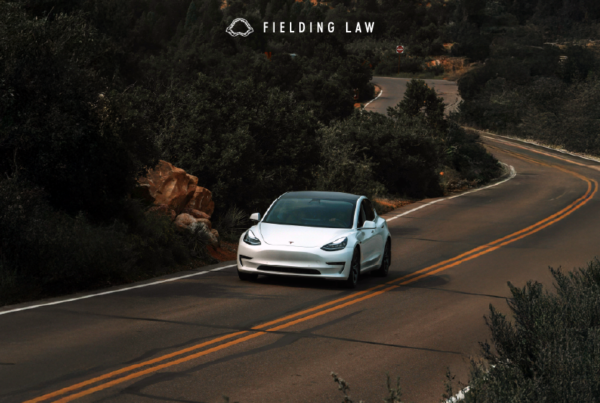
294 261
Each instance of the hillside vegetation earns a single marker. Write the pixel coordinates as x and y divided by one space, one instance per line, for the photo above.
540 79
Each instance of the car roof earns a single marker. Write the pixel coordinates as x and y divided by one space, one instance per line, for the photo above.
322 195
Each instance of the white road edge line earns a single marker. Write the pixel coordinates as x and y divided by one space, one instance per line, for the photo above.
513 173
459 396
367 104
116 291
535 143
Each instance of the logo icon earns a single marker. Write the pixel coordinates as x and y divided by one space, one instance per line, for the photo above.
231 32
291 242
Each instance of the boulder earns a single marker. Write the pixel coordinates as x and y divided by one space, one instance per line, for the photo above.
166 184
205 221
189 222
185 221
177 194
170 185
214 237
202 201
196 213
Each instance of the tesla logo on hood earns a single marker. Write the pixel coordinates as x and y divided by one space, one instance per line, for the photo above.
291 242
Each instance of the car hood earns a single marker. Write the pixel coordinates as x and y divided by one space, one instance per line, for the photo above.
295 235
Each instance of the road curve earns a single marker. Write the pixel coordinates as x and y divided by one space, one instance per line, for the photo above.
394 88
199 338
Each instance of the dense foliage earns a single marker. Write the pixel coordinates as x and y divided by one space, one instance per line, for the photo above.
46 251
540 77
550 351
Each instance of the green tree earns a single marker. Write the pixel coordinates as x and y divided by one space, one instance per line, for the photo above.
55 119
192 15
420 98
245 142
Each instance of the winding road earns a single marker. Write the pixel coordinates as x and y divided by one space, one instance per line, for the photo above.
198 338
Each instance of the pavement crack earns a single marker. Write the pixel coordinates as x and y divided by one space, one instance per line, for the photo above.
374 343
459 292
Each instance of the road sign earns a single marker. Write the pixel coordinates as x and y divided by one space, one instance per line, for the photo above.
400 49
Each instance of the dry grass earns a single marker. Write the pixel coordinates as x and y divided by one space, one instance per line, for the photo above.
226 251
455 67
385 205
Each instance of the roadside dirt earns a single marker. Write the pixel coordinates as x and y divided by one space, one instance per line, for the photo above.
224 252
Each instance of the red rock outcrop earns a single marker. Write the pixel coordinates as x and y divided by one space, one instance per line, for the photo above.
176 194
196 213
170 185
189 222
202 201
185 221
173 187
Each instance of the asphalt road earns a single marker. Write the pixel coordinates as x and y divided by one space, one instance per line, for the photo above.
394 88
277 340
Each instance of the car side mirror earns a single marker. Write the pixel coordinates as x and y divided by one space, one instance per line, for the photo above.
369 225
255 217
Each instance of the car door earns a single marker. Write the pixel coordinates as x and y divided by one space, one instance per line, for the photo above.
378 233
367 239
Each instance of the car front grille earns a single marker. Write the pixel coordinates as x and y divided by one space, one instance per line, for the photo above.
282 269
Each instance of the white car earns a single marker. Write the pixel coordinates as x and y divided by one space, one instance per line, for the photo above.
328 235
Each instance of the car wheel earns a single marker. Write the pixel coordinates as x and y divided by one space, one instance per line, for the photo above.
385 261
247 276
352 279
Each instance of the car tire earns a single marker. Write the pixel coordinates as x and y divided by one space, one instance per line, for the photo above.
247 276
386 260
354 272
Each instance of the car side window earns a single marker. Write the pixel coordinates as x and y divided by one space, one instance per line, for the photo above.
361 216
369 212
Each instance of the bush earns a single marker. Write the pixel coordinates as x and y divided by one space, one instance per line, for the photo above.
404 151
465 154
471 83
471 43
389 64
343 165
550 351
232 224
458 150
246 143
44 252
53 119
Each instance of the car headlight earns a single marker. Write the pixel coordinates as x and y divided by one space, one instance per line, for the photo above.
251 239
338 244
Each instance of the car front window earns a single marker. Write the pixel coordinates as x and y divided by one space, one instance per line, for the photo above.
312 213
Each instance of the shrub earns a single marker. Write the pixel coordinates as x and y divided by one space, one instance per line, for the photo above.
464 153
343 165
53 128
246 143
44 252
389 64
405 151
550 351
457 149
231 224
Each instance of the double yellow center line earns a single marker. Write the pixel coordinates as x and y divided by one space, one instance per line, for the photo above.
220 343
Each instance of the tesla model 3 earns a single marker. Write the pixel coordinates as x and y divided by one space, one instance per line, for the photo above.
329 235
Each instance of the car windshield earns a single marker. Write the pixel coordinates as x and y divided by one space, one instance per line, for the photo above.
312 213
